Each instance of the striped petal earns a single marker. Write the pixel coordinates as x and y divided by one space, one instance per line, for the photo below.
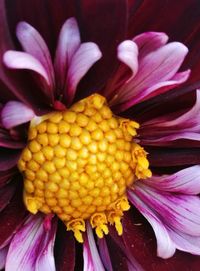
35 247
171 127
165 246
92 261
185 181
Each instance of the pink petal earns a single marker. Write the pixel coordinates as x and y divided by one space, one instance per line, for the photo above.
105 256
185 181
165 246
92 261
177 211
127 53
34 44
15 113
21 60
32 240
3 255
150 41
185 242
87 54
68 43
156 67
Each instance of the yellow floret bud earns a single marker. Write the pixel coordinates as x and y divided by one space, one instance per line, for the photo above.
78 164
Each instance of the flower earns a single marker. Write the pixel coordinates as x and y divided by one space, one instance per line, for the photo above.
148 68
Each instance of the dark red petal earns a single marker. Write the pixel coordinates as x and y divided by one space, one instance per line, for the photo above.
12 216
64 249
8 158
6 194
166 157
118 259
103 22
140 241
5 176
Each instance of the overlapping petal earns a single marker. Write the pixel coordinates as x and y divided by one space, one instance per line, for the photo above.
36 251
168 128
171 210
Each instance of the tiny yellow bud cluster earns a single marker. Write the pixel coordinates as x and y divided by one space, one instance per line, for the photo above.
78 164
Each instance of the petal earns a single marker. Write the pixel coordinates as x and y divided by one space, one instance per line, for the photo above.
6 193
185 181
12 217
165 157
68 43
158 66
185 242
3 255
64 249
150 41
165 246
87 54
103 249
127 53
36 247
177 211
92 261
21 60
156 90
45 259
8 158
33 44
15 113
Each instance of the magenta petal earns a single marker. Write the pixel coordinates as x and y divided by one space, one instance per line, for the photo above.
87 54
165 246
33 44
185 181
150 41
33 240
177 211
127 53
92 261
3 255
15 113
45 259
68 43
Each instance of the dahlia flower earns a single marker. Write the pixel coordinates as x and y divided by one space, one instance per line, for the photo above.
99 164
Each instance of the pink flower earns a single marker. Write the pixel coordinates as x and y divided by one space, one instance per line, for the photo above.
86 51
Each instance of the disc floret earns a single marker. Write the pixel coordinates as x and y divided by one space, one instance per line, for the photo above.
78 164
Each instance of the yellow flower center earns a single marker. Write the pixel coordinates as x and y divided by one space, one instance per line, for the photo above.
78 164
